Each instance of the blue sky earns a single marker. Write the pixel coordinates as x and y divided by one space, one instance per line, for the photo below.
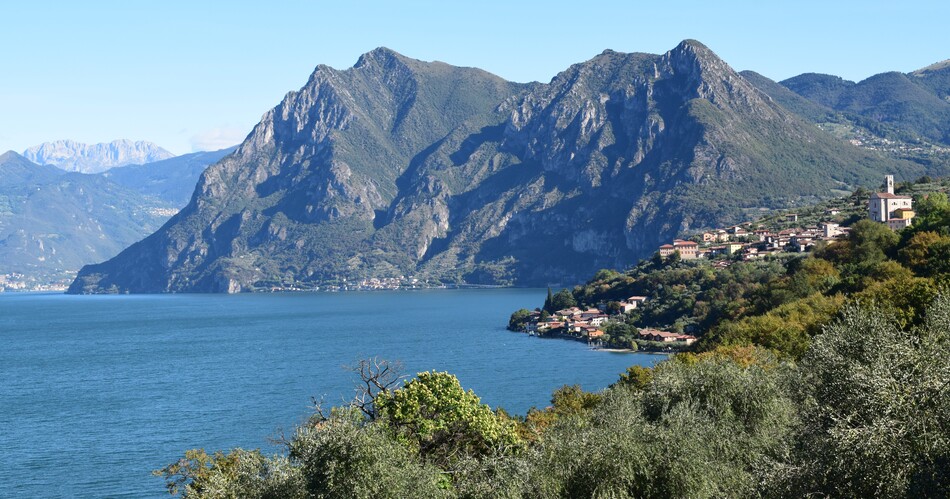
191 75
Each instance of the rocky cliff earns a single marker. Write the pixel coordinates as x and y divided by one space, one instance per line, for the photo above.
402 167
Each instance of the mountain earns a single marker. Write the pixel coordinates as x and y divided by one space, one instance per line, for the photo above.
172 180
53 221
916 104
809 109
935 77
401 167
84 158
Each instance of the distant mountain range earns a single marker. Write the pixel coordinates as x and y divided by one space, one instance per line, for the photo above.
906 116
53 222
84 158
906 101
403 167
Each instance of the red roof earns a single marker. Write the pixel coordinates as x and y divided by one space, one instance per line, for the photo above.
666 246
685 243
888 195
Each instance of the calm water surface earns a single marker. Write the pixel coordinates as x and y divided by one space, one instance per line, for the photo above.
97 391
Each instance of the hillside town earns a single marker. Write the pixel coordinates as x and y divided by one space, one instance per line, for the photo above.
748 241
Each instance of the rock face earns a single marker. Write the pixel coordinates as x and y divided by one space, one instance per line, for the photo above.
84 158
401 167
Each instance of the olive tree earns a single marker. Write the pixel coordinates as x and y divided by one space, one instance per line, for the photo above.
876 408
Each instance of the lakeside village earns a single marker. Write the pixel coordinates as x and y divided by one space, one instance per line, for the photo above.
726 245
17 281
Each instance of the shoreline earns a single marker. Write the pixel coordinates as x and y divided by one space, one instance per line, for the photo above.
627 350
563 336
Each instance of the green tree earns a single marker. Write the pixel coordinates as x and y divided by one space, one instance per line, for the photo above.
927 254
518 319
876 409
345 456
933 213
572 399
561 300
432 413
547 302
871 241
709 428
786 329
636 377
238 473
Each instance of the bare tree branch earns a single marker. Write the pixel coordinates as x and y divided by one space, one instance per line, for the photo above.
377 376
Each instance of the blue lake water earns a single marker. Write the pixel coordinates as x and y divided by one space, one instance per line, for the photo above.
97 391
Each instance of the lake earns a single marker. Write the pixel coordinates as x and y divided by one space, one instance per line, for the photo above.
97 391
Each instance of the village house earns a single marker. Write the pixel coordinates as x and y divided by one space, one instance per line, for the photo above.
593 333
761 234
831 230
801 242
632 303
599 320
688 250
568 312
666 250
738 231
544 326
665 336
732 248
883 205
901 218
750 253
716 250
715 236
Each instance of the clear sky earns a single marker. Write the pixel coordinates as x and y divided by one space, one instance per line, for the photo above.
197 75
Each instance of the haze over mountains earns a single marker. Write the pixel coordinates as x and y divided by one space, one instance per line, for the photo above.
52 222
172 180
75 156
403 167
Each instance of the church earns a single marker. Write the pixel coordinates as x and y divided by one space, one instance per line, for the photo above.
894 210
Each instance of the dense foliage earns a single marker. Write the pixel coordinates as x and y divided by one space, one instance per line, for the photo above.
865 412
821 375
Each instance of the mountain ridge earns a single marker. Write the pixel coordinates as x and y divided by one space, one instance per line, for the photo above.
76 156
401 167
917 103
